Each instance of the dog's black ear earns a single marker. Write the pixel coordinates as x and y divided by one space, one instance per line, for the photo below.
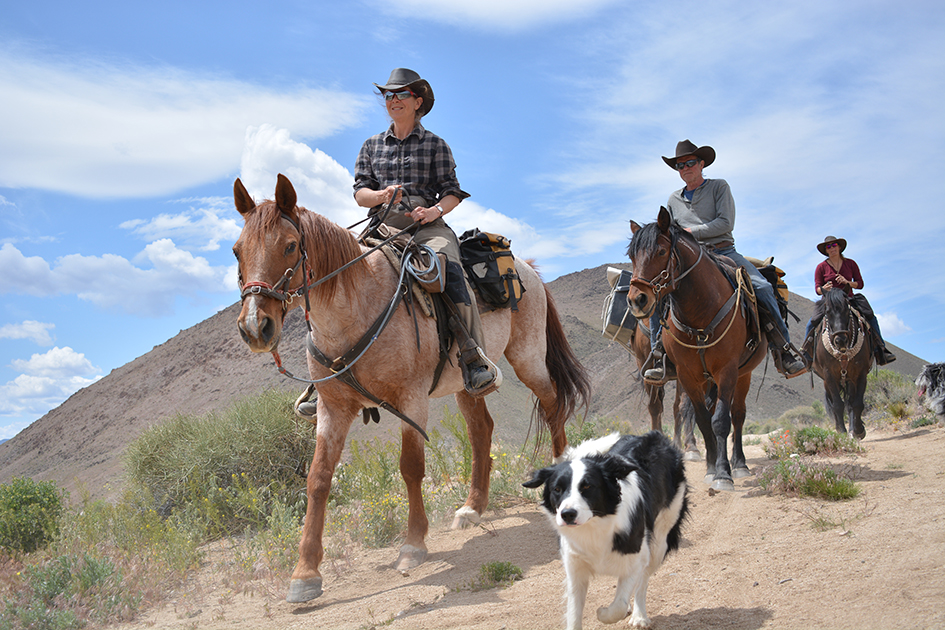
539 477
618 466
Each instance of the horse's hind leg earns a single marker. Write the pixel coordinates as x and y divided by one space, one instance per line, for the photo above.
479 426
684 435
412 466
835 403
655 395
739 464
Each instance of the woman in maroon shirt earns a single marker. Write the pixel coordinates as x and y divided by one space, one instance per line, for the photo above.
839 272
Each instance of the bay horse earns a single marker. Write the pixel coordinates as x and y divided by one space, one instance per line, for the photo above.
707 336
843 358
684 437
277 239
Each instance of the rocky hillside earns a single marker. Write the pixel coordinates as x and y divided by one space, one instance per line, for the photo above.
207 367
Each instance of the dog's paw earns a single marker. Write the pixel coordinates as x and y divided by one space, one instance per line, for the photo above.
639 621
611 614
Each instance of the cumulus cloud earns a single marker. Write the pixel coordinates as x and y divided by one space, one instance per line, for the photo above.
891 325
46 380
510 15
111 281
198 228
93 129
37 332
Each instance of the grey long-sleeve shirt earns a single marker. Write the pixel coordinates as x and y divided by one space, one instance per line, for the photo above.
711 213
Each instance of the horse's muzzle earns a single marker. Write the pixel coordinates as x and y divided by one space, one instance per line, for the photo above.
259 331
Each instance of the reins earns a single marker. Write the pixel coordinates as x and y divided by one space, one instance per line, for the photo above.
340 367
844 356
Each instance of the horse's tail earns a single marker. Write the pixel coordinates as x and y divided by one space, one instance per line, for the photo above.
572 385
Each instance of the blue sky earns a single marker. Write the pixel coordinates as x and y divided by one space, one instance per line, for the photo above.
123 126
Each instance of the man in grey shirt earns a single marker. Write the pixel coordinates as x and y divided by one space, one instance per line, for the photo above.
706 209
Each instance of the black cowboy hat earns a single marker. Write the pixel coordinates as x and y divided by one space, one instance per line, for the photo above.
832 239
684 148
405 78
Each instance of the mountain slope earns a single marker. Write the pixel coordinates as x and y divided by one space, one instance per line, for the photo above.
207 367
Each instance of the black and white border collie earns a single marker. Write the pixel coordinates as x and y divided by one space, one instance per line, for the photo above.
931 384
618 504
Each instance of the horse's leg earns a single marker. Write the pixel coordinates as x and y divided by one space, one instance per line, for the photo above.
855 407
696 405
479 426
721 427
306 582
834 400
655 394
412 466
684 425
739 463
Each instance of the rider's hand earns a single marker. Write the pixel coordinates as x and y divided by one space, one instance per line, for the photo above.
391 192
425 215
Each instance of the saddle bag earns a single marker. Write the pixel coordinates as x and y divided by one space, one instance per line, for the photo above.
619 324
490 268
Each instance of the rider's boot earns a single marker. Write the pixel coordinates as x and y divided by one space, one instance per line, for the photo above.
480 375
307 404
662 370
880 351
784 353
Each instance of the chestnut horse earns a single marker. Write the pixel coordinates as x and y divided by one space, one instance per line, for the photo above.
707 335
398 368
843 358
656 395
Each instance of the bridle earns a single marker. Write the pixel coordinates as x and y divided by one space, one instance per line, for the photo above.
275 291
665 278
844 356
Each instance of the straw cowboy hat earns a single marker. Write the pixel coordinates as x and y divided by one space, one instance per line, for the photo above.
402 78
832 239
684 148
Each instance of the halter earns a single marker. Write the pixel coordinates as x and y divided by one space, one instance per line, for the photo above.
844 356
275 291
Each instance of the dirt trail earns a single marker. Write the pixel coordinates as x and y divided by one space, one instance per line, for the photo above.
748 561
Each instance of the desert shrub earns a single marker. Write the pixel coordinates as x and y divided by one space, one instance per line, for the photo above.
493 574
225 470
885 388
797 476
811 441
29 514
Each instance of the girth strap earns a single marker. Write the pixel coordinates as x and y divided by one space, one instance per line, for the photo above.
339 366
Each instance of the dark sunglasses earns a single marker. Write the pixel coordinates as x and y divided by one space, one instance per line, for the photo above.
681 165
402 95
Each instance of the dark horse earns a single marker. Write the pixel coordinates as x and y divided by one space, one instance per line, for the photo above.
707 336
842 358
284 252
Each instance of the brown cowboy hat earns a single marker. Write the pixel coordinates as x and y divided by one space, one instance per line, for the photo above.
405 78
684 148
832 239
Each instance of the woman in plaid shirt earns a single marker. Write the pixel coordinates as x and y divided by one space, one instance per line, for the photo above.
415 168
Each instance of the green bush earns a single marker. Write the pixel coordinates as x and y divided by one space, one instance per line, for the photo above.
796 476
811 441
29 514
885 388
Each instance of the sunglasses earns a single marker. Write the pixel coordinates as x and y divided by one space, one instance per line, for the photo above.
829 245
681 165
402 95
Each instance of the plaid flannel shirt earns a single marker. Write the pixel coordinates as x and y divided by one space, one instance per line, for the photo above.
422 163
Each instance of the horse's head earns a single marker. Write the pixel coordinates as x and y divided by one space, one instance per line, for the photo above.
651 251
271 258
839 318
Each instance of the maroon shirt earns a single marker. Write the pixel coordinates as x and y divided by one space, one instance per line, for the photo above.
848 269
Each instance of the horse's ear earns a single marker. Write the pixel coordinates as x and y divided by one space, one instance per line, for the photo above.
285 195
634 226
663 219
244 202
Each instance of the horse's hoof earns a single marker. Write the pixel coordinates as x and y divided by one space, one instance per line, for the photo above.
859 434
465 517
741 473
709 478
692 456
410 557
301 591
723 485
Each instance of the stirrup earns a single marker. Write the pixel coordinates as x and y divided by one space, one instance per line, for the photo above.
779 362
479 360
306 405
660 375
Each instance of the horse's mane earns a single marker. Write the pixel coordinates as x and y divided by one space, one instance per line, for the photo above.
329 245
645 239
835 300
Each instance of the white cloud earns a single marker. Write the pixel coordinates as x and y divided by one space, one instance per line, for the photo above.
38 332
199 229
110 281
502 14
891 325
58 363
92 129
